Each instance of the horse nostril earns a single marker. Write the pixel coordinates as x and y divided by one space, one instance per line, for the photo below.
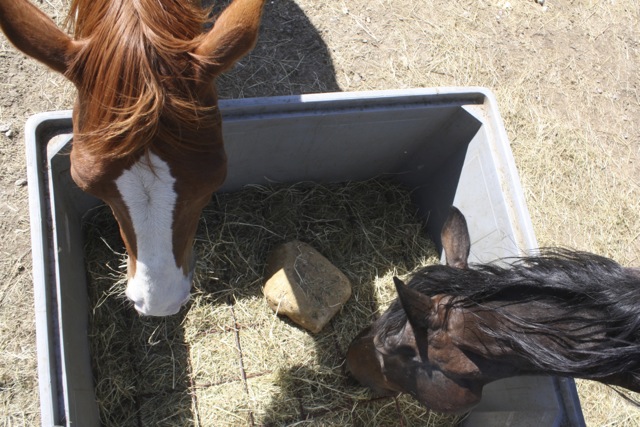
139 310
184 301
131 297
349 378
160 297
138 302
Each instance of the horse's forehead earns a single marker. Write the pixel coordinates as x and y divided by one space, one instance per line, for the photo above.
156 194
155 181
443 316
452 325
147 189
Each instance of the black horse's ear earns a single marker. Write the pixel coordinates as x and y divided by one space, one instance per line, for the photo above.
417 305
455 239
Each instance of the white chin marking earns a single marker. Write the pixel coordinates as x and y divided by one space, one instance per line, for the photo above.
159 287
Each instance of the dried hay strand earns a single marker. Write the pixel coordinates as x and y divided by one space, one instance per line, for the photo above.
226 359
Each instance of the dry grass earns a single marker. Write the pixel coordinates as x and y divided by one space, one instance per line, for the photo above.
611 409
227 359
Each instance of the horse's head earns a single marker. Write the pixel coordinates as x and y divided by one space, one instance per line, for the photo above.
413 347
454 329
398 364
147 131
157 204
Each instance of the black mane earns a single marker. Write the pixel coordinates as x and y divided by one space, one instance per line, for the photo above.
582 314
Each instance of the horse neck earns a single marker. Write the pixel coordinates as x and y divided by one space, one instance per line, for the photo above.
482 335
563 344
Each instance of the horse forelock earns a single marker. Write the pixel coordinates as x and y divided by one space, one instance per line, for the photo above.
136 75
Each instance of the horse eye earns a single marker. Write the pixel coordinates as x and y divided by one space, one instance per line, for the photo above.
406 351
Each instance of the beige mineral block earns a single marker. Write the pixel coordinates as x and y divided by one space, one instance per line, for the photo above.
304 286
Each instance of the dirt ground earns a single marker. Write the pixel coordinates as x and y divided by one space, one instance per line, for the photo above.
565 75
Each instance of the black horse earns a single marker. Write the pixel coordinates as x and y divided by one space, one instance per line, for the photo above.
454 329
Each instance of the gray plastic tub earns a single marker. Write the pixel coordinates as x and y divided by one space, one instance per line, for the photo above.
448 144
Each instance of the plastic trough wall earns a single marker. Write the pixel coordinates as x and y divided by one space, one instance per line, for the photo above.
448 144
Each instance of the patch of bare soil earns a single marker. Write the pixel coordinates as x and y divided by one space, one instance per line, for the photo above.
565 76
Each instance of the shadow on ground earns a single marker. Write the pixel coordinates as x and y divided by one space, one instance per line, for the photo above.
290 58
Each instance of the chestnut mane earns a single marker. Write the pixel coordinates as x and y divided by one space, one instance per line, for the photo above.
137 75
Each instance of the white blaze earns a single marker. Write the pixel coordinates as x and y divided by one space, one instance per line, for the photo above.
159 287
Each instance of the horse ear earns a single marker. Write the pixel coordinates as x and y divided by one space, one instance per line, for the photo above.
35 34
233 35
417 305
455 239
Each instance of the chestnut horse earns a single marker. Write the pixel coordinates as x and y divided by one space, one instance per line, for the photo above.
147 130
455 329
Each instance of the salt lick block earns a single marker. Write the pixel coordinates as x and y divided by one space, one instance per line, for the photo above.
304 286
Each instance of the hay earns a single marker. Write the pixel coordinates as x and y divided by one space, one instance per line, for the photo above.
227 359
